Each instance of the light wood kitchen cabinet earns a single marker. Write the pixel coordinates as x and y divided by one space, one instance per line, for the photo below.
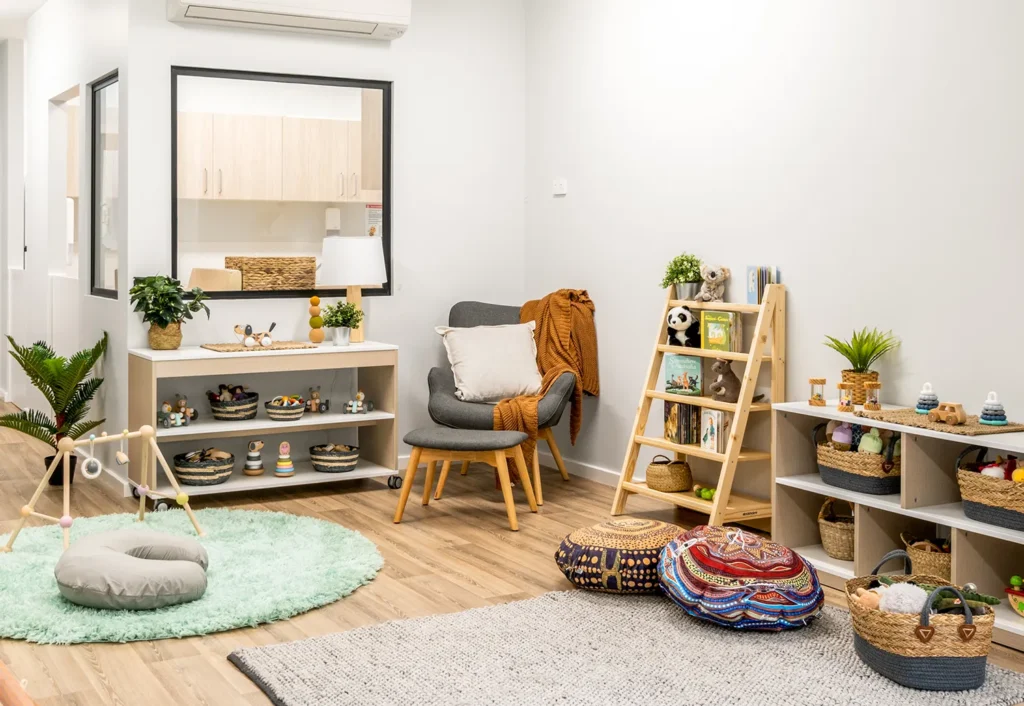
372 145
316 160
195 156
247 157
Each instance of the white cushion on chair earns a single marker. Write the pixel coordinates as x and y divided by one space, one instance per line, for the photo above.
492 363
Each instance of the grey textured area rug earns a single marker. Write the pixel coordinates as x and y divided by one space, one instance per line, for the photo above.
589 649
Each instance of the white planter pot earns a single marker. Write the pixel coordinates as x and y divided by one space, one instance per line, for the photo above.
342 335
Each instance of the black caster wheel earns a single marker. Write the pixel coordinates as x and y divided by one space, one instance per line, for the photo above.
135 492
161 505
394 482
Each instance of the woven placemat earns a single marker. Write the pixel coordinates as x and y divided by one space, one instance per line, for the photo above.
239 348
908 417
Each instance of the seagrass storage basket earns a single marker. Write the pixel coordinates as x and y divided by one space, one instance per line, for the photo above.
836 531
235 410
991 500
928 562
668 476
208 467
943 652
272 273
875 474
334 458
280 413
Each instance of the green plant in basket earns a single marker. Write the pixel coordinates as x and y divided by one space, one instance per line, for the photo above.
342 315
164 307
864 347
682 269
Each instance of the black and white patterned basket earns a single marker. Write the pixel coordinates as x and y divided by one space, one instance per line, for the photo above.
334 458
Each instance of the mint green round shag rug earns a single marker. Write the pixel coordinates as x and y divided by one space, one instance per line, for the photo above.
264 566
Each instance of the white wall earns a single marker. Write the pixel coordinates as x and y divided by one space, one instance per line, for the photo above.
12 185
871 150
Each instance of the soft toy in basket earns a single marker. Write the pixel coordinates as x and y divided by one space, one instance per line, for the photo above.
862 469
897 634
992 492
739 579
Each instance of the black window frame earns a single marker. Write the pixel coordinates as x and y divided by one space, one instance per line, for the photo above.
95 136
384 86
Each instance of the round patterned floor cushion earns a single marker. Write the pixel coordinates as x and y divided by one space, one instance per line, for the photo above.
620 556
739 579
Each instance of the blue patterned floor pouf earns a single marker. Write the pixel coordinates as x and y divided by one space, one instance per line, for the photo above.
739 579
620 556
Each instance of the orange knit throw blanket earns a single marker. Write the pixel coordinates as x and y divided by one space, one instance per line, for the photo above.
566 342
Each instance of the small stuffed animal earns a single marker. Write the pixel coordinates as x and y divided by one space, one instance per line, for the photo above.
903 598
726 386
713 287
871 443
683 327
870 599
842 437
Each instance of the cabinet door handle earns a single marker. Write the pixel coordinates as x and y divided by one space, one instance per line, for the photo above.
341 184
205 180
355 184
220 181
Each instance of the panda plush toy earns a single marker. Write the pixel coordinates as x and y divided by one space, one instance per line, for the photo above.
683 327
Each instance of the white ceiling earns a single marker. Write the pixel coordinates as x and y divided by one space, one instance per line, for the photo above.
18 9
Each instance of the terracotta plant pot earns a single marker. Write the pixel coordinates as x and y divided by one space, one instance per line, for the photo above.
57 479
165 339
858 380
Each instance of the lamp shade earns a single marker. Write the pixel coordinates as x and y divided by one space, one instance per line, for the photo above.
352 261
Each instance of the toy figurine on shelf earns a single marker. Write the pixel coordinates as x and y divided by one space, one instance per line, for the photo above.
190 414
285 468
1015 594
927 400
817 392
845 396
952 413
359 405
842 437
163 417
250 339
238 393
254 459
316 405
316 322
872 393
992 412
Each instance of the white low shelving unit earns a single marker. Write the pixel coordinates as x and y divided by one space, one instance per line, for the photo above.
928 504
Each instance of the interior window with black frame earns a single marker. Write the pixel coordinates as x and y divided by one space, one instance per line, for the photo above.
105 226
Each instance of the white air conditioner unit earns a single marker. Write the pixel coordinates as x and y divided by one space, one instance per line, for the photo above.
368 19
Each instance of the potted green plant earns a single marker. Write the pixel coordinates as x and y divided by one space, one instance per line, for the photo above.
683 272
342 318
862 351
162 303
68 388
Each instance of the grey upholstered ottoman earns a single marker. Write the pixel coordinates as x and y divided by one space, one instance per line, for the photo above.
433 444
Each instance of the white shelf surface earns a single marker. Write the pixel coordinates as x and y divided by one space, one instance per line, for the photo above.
1012 442
199 353
1008 620
813 483
208 427
815 553
304 476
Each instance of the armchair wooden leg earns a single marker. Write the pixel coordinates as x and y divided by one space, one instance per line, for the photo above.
524 474
428 481
549 437
410 475
536 478
465 468
445 467
506 489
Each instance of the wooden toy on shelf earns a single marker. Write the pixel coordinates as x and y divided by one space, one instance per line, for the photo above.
359 405
168 417
845 396
817 392
316 322
1015 594
952 413
872 393
927 400
254 459
250 339
189 413
992 412
315 404
285 468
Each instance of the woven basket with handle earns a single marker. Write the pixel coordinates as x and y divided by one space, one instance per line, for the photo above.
875 474
992 500
927 561
836 530
945 652
668 476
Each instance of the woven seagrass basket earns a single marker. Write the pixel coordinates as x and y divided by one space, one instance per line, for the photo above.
991 500
339 459
875 474
271 273
208 472
836 531
669 476
944 652
235 410
926 561
284 414
165 338
858 379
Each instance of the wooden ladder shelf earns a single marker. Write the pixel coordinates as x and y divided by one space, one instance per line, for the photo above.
727 506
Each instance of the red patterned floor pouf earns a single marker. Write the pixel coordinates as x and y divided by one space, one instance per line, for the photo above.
739 579
620 556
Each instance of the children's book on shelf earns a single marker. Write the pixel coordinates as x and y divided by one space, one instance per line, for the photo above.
714 430
683 375
682 423
721 331
758 279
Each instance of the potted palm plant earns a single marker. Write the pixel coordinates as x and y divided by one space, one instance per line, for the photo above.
683 272
68 388
342 318
862 351
162 303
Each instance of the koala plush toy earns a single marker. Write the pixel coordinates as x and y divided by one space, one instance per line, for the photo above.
683 327
713 287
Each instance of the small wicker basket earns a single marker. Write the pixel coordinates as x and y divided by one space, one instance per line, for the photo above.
235 410
934 563
274 273
874 474
280 413
945 652
991 500
858 380
211 471
836 531
669 476
334 458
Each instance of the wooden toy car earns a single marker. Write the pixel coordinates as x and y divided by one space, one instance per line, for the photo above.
952 413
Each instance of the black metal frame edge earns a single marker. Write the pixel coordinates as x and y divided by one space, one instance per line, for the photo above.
96 86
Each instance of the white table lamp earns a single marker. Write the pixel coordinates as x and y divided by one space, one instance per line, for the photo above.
352 262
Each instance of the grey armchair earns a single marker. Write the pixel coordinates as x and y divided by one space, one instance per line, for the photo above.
448 410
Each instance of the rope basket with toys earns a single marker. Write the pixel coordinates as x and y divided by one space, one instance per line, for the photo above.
871 465
993 492
920 631
930 556
232 403
204 467
286 408
836 530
